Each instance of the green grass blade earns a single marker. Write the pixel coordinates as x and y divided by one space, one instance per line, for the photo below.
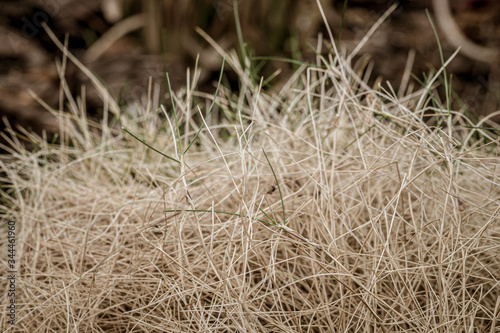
278 184
263 212
361 135
446 84
218 212
211 106
147 145
175 112
239 32
286 60
483 128
342 21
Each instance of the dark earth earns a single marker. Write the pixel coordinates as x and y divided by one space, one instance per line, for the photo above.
167 42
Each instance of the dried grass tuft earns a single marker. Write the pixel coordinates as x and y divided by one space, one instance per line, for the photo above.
391 224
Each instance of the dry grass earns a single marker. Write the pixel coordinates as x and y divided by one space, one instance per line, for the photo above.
389 224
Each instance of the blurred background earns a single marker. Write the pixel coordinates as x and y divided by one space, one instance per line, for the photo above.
125 42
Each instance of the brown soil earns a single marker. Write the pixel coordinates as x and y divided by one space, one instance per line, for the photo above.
28 56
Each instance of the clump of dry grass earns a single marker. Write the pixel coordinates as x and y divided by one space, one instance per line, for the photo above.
328 206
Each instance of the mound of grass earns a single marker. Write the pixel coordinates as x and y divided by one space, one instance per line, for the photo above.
327 206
